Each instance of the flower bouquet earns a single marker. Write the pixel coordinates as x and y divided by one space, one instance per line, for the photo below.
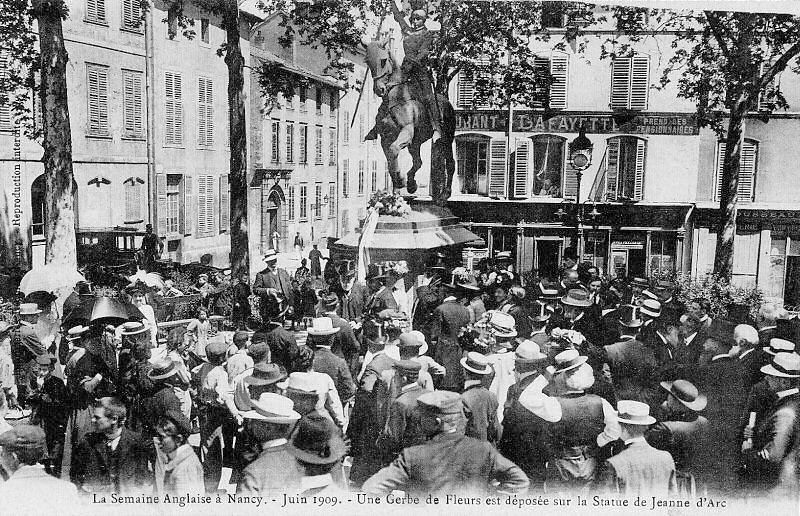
387 203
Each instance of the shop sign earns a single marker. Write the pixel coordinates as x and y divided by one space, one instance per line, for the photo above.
598 123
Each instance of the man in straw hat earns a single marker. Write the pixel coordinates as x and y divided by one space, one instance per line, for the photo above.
523 432
639 469
502 330
775 434
448 319
402 424
681 430
343 342
480 404
164 375
318 447
272 282
633 365
25 347
322 336
449 462
269 421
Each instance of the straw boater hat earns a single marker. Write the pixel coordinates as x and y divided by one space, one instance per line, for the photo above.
270 256
576 297
777 345
784 365
648 294
685 392
304 382
162 369
634 413
272 408
499 324
569 359
503 255
638 281
29 309
316 440
650 307
322 326
476 363
76 332
133 328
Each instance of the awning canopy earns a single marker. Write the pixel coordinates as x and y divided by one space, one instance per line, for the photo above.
427 227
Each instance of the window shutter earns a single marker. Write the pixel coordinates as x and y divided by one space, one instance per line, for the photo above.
570 183
465 93
224 203
98 100
521 164
721 146
541 94
498 172
174 109
612 168
641 155
620 82
559 69
748 161
5 109
161 203
131 15
213 187
345 177
189 206
132 100
640 82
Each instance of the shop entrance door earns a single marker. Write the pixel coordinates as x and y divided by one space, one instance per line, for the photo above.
791 293
548 256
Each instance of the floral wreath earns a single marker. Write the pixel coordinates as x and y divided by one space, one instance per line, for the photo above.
387 203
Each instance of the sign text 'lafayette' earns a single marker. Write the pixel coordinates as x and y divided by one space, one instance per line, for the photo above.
535 122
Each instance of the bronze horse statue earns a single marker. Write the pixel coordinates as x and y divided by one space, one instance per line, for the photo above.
403 122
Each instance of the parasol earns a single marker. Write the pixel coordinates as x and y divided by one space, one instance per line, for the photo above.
50 278
151 279
103 308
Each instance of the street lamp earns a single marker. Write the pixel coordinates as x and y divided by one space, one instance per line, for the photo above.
580 158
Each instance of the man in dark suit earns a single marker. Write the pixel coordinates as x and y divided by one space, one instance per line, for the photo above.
449 462
380 296
749 353
448 319
633 365
111 458
345 344
723 380
25 347
282 343
480 403
402 421
321 337
522 441
273 282
689 350
352 294
767 326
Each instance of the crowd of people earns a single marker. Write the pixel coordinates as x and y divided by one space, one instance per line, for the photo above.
452 381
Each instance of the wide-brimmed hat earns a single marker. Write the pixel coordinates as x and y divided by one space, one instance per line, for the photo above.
529 352
272 408
650 307
499 324
639 281
316 440
568 359
576 297
777 345
503 255
29 309
628 316
649 294
469 284
264 374
685 392
441 402
270 256
784 365
303 381
162 369
476 363
634 413
133 328
423 348
540 311
322 326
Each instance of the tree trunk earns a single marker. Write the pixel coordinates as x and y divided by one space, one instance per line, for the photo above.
238 137
728 195
59 196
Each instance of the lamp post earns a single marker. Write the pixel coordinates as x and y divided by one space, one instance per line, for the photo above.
317 208
580 158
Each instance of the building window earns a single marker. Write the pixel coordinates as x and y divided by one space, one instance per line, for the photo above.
205 205
303 143
132 15
374 176
303 98
224 203
345 177
346 128
332 147
624 170
554 94
275 135
97 85
5 108
345 223
361 131
331 200
132 106
96 11
289 142
662 254
630 82
289 101
318 201
472 161
318 146
748 166
204 35
548 165
134 187
205 112
334 103
303 203
318 100
361 177
173 205
290 202
174 109
465 88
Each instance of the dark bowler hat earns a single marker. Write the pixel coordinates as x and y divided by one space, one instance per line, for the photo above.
316 440
576 297
628 316
181 422
441 402
265 374
685 392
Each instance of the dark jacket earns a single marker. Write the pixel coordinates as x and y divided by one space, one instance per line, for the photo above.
282 345
345 343
335 367
523 435
278 280
777 435
97 468
159 404
352 302
633 371
402 422
481 410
